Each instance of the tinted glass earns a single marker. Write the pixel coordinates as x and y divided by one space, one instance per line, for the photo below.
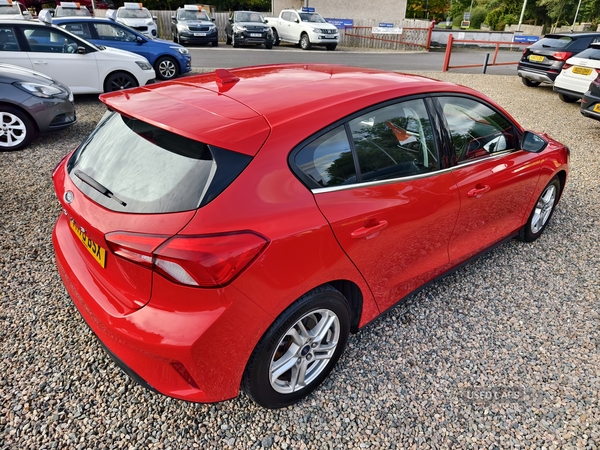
148 168
328 160
395 141
553 42
110 32
49 40
590 53
78 29
8 41
476 129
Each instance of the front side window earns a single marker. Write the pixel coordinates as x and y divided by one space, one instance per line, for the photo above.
476 129
49 40
395 141
110 32
79 29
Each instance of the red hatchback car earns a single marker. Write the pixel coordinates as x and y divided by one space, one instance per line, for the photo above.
229 230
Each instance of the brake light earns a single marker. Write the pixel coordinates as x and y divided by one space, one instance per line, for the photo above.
562 56
567 66
200 261
596 81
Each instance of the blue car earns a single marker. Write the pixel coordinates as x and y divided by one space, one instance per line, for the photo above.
169 59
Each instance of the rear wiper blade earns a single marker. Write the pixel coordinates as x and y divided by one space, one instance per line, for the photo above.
93 183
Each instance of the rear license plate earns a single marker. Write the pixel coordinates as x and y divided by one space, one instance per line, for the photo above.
597 107
95 250
581 71
255 35
536 58
199 34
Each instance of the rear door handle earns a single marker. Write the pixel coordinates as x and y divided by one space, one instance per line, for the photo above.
478 191
41 62
369 232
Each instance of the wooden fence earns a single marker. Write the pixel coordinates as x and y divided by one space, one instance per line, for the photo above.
415 33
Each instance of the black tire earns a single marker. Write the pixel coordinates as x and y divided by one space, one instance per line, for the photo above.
567 98
175 37
166 68
234 43
331 47
117 81
215 43
530 83
227 40
305 42
275 37
542 212
324 305
16 129
268 46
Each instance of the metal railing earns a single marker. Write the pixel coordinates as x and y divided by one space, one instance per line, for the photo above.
486 63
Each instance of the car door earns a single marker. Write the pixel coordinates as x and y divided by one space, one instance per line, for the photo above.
11 51
55 53
287 22
495 180
392 207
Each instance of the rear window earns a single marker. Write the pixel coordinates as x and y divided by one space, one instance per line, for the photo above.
553 42
127 165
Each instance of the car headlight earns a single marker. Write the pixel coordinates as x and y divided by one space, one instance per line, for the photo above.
183 28
239 28
149 23
41 90
318 30
144 65
182 50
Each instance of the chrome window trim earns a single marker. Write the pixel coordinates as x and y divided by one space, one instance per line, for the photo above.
409 178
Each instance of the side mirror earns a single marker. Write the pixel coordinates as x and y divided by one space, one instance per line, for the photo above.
154 18
81 50
296 20
230 20
534 143
140 40
213 19
173 19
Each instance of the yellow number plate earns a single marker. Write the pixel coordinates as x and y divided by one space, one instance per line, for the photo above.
597 107
536 58
95 250
581 71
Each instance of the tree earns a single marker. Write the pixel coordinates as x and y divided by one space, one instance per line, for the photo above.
426 9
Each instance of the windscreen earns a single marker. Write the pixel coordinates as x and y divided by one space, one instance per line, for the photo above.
553 42
128 165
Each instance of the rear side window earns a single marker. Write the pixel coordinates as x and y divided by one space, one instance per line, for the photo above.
130 166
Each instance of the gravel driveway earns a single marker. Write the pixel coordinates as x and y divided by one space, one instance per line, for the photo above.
503 353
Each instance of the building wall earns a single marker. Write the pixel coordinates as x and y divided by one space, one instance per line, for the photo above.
383 11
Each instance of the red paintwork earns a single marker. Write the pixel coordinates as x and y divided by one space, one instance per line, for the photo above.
387 239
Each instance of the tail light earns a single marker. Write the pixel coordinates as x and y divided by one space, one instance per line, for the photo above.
201 261
567 66
596 81
562 56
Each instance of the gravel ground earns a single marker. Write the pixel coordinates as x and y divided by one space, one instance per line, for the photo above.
521 323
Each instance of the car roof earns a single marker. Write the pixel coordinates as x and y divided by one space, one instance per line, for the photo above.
238 115
571 35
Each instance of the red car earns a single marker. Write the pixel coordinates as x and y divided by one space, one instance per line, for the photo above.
229 230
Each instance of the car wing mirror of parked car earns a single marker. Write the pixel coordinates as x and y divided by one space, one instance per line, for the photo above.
532 142
140 40
173 19
296 20
154 18
81 50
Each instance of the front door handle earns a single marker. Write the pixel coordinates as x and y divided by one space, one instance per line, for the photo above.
369 232
478 191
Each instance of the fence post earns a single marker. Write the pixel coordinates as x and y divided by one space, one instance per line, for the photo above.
448 52
429 34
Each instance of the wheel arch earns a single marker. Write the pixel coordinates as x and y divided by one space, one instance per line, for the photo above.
119 71
562 177
24 111
354 297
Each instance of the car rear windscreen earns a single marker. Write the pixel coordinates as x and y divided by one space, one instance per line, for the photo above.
128 165
553 42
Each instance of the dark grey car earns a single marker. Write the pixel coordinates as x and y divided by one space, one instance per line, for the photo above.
248 28
31 103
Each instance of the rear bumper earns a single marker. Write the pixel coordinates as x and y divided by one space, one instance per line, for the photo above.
567 92
588 101
540 77
190 344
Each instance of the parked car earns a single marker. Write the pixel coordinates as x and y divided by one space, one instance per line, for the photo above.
193 25
76 63
577 74
135 16
10 9
303 27
248 28
71 9
590 102
168 59
215 238
542 61
31 103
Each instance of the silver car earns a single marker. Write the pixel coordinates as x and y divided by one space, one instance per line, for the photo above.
31 103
